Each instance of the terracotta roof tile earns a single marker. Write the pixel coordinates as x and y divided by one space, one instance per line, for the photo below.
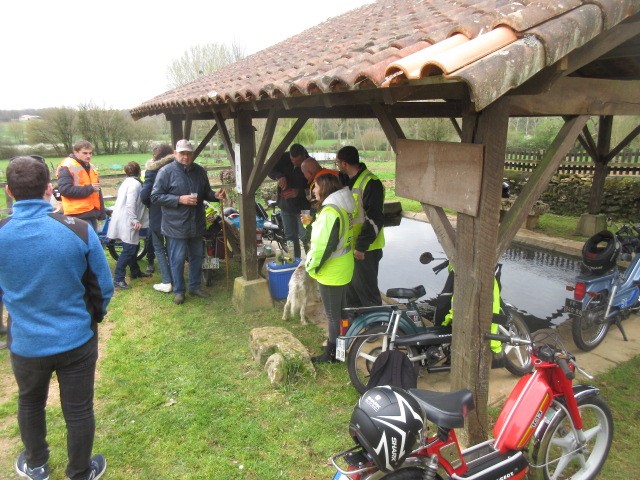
349 52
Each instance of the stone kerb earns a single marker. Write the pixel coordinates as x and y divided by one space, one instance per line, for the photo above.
281 353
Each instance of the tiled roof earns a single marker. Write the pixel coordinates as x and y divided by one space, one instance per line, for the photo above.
491 45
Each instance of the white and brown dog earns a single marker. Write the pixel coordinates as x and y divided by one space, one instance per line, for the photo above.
303 290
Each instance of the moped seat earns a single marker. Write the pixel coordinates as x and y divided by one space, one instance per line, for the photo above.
445 409
406 293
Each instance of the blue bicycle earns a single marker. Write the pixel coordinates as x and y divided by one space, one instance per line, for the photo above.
114 247
605 295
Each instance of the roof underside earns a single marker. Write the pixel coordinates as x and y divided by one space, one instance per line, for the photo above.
484 48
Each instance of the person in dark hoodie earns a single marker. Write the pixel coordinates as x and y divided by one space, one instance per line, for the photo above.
79 185
162 155
180 188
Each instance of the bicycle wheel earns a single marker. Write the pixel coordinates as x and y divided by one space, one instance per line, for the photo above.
115 249
589 329
517 358
558 455
365 350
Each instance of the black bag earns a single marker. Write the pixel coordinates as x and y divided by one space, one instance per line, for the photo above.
394 368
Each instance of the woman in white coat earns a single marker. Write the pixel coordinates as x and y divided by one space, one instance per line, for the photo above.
128 217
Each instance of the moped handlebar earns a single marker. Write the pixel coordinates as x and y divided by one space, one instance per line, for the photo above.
562 362
507 339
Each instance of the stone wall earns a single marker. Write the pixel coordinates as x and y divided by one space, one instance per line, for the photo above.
568 194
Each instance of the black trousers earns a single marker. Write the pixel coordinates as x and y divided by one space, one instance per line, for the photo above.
75 370
363 290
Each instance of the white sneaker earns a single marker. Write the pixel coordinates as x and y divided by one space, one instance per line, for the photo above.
163 287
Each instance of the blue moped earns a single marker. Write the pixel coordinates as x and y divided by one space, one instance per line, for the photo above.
607 294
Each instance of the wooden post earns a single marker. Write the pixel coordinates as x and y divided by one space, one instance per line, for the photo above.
474 264
246 148
600 174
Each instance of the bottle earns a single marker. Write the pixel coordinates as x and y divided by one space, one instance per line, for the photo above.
289 256
279 257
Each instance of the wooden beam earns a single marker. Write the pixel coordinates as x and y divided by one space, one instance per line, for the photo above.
456 126
207 138
625 141
282 146
389 124
580 96
474 266
226 138
605 127
443 229
188 122
538 180
245 137
176 130
258 174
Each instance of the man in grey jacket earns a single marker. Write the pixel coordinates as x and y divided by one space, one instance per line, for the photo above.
180 189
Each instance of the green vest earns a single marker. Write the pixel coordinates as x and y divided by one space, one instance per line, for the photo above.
359 215
338 268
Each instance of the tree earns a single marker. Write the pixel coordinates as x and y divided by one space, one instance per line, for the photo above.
201 60
17 131
56 127
108 130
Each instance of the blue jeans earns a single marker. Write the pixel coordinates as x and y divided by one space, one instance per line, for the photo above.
75 370
159 242
294 231
128 257
179 248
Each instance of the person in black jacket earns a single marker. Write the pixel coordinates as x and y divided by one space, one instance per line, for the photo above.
292 198
162 155
180 188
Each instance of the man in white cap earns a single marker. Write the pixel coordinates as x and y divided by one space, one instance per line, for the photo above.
180 189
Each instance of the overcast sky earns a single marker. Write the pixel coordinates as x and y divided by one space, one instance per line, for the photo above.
115 53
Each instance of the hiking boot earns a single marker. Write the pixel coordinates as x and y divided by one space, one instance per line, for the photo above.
328 356
163 287
97 467
178 299
150 268
199 294
23 470
140 275
122 285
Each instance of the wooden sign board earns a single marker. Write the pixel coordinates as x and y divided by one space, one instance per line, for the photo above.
443 174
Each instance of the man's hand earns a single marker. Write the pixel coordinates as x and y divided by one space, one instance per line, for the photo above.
282 183
221 194
358 255
188 200
137 225
96 186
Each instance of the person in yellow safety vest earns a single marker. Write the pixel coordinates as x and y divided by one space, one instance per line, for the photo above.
330 258
495 345
79 185
368 231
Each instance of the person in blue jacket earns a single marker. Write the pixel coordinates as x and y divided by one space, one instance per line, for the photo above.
56 286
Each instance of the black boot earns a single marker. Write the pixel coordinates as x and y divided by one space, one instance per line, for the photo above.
328 356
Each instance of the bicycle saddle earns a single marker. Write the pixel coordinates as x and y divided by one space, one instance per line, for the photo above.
406 293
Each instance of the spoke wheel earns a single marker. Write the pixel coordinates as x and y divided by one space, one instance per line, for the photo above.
559 454
589 329
365 350
517 358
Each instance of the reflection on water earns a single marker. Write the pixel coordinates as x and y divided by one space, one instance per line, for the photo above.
532 280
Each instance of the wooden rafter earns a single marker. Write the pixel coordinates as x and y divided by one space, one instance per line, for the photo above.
257 175
626 141
207 138
226 138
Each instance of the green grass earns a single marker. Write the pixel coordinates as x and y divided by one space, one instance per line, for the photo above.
179 396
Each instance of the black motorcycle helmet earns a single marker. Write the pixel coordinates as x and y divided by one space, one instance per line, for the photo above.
600 252
387 423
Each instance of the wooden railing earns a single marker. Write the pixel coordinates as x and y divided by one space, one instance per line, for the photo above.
625 163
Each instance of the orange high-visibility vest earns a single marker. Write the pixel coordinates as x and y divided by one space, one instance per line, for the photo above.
76 206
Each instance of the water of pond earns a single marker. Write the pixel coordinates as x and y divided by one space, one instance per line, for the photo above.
533 281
